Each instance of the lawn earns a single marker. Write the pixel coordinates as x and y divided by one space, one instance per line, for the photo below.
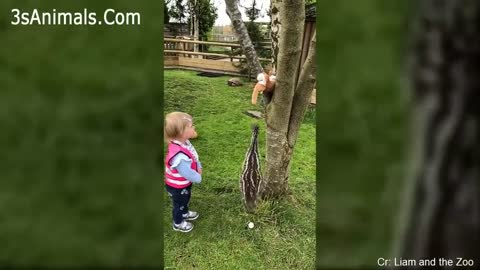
363 132
284 233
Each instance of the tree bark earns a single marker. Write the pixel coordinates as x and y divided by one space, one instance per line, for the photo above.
303 93
195 26
275 32
274 35
277 168
442 218
191 8
242 34
291 17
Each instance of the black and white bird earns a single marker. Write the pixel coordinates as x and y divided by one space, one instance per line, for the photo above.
251 176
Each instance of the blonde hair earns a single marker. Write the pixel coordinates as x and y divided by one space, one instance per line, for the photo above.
175 125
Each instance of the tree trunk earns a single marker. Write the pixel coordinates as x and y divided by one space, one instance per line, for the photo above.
285 113
274 32
274 35
291 15
195 26
192 12
242 34
443 215
277 168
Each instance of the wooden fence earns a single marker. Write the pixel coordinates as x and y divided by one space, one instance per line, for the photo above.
179 53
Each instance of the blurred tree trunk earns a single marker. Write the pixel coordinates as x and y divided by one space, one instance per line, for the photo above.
285 113
442 219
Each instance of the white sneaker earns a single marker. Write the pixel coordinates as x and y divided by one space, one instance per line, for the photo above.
191 215
183 227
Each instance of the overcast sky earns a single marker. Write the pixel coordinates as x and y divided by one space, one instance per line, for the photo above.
223 18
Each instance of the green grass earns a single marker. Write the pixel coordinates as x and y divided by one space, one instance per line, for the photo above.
219 49
284 235
80 126
362 129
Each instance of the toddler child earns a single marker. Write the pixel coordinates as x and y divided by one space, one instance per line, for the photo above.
182 167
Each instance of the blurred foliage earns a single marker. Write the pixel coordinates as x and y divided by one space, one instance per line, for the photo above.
363 128
81 120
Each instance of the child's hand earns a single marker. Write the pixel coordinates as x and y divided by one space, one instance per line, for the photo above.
200 171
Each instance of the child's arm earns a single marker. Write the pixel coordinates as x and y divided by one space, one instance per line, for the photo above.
199 165
182 163
184 170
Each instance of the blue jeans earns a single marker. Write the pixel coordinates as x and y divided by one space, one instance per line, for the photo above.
180 199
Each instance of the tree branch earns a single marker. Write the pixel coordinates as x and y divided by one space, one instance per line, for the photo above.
303 92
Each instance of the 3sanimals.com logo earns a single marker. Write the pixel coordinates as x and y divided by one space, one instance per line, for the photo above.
54 17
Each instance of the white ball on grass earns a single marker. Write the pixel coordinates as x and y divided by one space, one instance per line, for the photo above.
250 225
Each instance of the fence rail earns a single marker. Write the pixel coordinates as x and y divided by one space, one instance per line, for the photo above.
179 53
225 44
218 55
